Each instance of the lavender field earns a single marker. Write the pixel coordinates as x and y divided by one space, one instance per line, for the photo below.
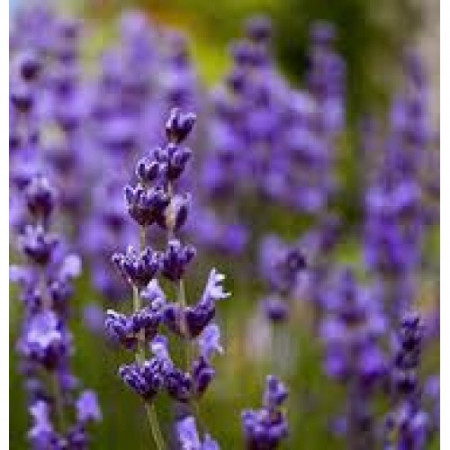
224 227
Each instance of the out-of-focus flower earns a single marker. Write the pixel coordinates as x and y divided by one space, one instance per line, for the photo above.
265 428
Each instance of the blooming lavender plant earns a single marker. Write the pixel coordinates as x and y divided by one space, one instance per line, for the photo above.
153 201
45 344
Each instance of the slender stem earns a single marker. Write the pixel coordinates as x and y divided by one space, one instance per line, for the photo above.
59 405
140 350
183 303
152 417
154 425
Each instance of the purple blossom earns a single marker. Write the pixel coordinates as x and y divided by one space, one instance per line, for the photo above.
275 309
209 342
146 379
37 244
407 424
196 317
146 206
42 434
189 439
281 264
175 259
265 428
138 268
179 125
88 408
351 330
45 344
154 201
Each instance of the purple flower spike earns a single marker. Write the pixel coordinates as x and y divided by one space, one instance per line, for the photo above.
155 200
408 356
407 424
45 343
264 429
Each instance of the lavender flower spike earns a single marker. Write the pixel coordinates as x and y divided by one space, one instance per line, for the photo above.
45 344
265 428
154 201
407 425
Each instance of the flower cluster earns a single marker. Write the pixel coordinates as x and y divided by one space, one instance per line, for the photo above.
396 211
146 73
153 201
280 266
45 344
351 331
267 140
407 425
265 428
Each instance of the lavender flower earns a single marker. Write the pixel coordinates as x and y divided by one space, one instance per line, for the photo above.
396 210
280 267
407 425
139 270
153 201
189 439
46 344
264 429
351 331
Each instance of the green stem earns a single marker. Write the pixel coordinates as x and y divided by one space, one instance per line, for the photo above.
59 406
183 303
152 417
154 425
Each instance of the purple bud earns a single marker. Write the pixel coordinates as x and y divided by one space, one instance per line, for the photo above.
179 125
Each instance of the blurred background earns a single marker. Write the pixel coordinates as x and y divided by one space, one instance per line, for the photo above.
372 36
